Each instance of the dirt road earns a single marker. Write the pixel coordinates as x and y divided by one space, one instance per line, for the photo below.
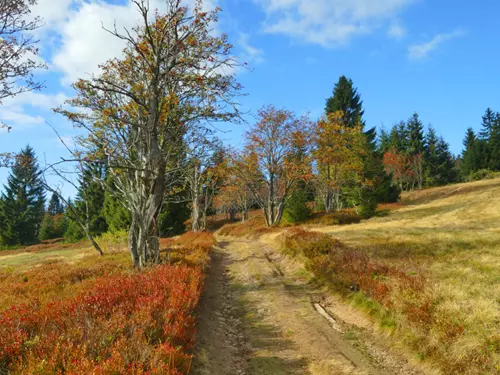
260 315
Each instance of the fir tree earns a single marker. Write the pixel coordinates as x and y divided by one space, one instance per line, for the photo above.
446 172
346 99
430 157
89 203
384 142
488 122
494 145
55 206
416 135
23 202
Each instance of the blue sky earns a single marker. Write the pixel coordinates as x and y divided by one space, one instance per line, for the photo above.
438 58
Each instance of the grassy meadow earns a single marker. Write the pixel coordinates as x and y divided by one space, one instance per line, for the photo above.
451 236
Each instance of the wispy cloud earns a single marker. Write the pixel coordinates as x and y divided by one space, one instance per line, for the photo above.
396 31
329 22
250 53
421 51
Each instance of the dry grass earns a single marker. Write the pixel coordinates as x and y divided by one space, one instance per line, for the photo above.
453 234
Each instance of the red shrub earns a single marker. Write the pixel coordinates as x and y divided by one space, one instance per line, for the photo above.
142 323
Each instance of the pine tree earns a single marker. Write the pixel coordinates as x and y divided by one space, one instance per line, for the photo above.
346 99
23 202
54 221
488 122
398 138
446 171
430 157
297 210
415 128
384 142
475 154
55 206
494 145
89 203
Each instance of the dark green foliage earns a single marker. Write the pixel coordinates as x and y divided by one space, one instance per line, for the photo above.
53 226
398 138
494 145
116 215
488 122
482 174
172 218
55 206
431 157
23 203
346 99
54 222
88 205
297 209
368 204
445 172
384 142
415 130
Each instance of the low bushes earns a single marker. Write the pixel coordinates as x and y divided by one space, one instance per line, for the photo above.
125 324
344 217
253 227
98 316
347 269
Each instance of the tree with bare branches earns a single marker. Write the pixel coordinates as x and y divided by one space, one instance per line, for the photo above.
273 162
176 74
18 51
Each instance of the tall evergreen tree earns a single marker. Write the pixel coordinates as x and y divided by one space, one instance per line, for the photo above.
23 202
55 206
488 122
383 142
446 170
89 203
346 99
494 145
416 142
475 154
430 157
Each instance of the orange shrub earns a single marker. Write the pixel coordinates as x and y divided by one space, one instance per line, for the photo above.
349 269
141 323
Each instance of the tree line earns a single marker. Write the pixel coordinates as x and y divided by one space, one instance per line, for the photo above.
150 162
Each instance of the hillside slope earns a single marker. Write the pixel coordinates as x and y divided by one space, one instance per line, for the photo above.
452 234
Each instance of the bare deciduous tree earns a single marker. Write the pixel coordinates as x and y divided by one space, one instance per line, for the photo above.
272 162
175 75
18 51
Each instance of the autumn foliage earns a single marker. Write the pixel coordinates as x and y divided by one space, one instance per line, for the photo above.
100 317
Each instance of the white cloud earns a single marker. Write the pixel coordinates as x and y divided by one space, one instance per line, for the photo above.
421 51
19 120
249 52
396 31
328 22
82 43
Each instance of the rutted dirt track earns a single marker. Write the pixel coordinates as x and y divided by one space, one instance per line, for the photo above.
259 316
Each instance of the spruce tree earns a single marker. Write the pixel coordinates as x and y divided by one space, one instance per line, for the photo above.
384 142
430 157
55 206
416 135
446 172
89 203
23 201
494 145
346 99
488 122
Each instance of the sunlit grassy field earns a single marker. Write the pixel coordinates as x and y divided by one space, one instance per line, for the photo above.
452 234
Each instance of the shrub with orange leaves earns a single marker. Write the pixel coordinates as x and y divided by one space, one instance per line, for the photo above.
142 323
